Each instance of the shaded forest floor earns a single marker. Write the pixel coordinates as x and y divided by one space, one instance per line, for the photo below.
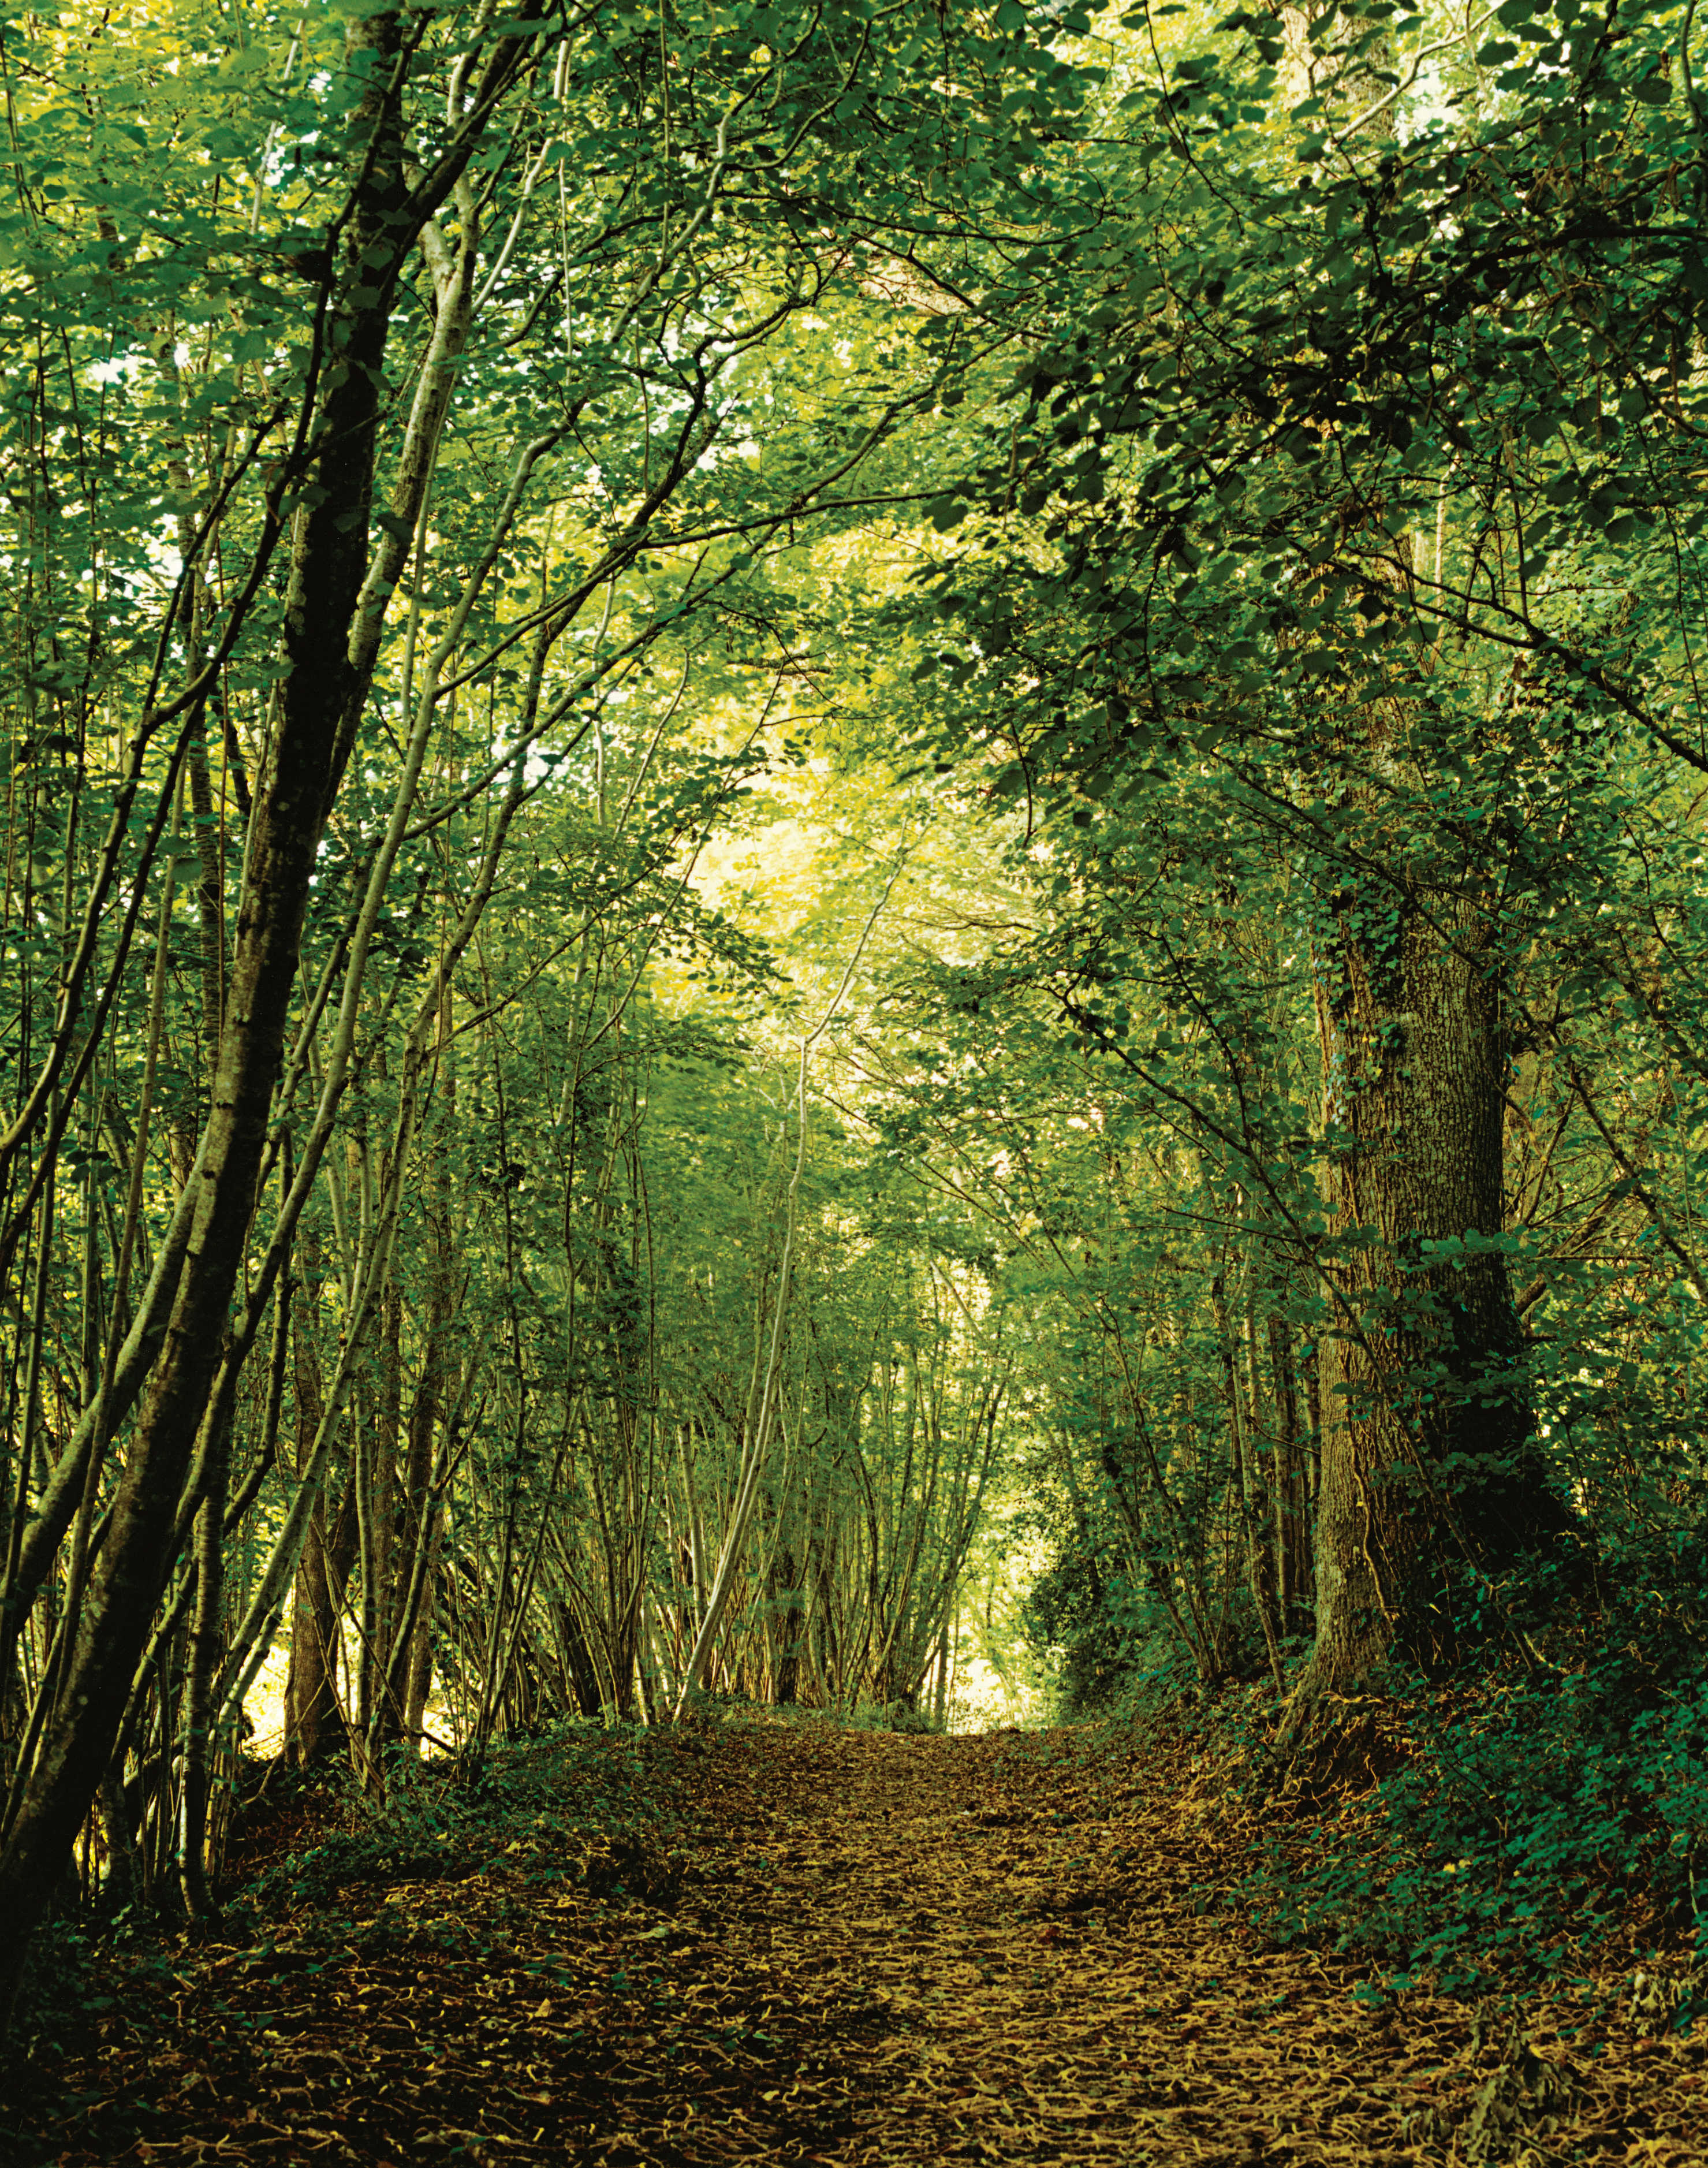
792 1942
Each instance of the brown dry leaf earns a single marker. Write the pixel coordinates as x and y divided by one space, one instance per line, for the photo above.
890 1950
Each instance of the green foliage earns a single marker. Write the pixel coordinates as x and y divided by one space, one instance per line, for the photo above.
897 1716
64 1993
1222 538
1084 1611
578 1801
1538 1812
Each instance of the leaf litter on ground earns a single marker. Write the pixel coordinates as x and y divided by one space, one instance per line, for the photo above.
758 1941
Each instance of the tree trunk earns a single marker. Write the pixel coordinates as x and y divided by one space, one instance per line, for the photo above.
1427 1459
785 1596
329 564
315 1731
1428 1465
314 1727
1253 1504
1295 1591
202 1668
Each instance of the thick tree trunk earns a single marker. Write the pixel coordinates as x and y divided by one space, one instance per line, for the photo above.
1428 1464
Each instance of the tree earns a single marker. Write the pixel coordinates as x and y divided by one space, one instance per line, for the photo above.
417 331
516 527
1311 537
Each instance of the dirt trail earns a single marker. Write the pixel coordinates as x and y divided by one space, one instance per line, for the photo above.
1048 1991
861 1948
1045 1989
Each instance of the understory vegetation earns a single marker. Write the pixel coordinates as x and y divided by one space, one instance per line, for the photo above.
853 852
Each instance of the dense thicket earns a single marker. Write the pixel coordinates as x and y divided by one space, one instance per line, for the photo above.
1200 520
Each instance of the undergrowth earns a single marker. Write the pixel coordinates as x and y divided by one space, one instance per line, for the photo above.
1546 1801
1507 1827
315 1862
524 1800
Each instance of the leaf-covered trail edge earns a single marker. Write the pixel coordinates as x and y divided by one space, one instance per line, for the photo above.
840 1946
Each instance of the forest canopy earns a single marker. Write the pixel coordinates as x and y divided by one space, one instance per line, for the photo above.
799 798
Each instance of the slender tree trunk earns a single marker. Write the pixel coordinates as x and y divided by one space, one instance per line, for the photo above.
329 566
313 1716
578 1660
1253 1505
1295 1591
785 1592
201 1669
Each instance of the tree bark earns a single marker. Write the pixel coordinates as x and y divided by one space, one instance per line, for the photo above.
329 563
201 1669
1428 1466
1253 1499
1295 1588
1428 1461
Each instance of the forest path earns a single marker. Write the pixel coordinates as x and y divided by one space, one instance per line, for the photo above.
1021 1933
841 1948
1016 1934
